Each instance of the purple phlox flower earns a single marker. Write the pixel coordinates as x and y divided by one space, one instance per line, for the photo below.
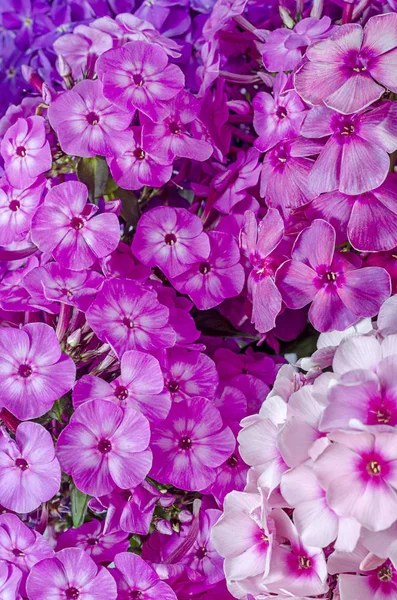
129 317
214 116
367 137
87 124
190 444
82 47
34 371
140 386
136 579
278 117
10 578
26 109
387 260
138 76
220 276
232 185
129 510
174 136
70 574
340 294
171 239
67 227
13 295
102 547
189 374
17 208
368 220
25 151
21 546
140 165
284 48
29 471
135 29
254 389
53 283
350 70
229 364
21 19
120 263
260 242
221 16
181 320
208 72
285 171
97 448
171 17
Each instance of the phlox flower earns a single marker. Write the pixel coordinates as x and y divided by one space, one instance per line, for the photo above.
139 386
17 208
129 317
339 293
188 374
25 151
70 574
67 227
189 445
379 584
136 579
29 471
231 185
368 137
87 124
350 70
138 76
10 578
170 238
82 47
97 448
220 276
90 537
33 370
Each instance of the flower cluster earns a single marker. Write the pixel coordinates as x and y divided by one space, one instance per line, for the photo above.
191 192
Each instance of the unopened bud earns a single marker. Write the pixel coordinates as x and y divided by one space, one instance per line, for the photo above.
286 17
74 339
63 66
47 94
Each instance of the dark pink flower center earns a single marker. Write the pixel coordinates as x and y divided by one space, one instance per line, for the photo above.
126 495
121 393
304 562
72 593
21 151
374 468
14 205
279 156
21 464
174 128
385 573
358 62
170 239
205 268
128 322
382 411
92 118
77 223
330 276
66 292
281 112
185 443
93 541
136 595
139 153
18 553
138 79
232 461
25 371
173 386
201 552
104 446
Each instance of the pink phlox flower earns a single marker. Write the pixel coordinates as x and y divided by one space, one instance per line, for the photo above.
232 184
90 537
17 208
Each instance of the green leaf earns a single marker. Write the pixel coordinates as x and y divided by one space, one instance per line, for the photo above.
211 322
79 505
129 206
94 173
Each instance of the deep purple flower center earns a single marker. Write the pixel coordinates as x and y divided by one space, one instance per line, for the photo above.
128 322
18 553
121 393
357 61
385 573
202 552
205 268
138 79
104 446
21 464
139 153
25 371
126 495
21 151
281 112
232 461
136 595
304 562
77 223
347 129
67 292
170 239
92 541
173 386
174 128
72 593
14 205
92 118
185 443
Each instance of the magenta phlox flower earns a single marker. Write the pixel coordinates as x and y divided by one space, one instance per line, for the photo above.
232 184
90 537
67 227
170 238
188 374
136 579
129 316
97 448
138 76
368 137
10 578
87 124
33 370
189 445
29 471
350 70
25 151
339 293
17 208
70 574
82 48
